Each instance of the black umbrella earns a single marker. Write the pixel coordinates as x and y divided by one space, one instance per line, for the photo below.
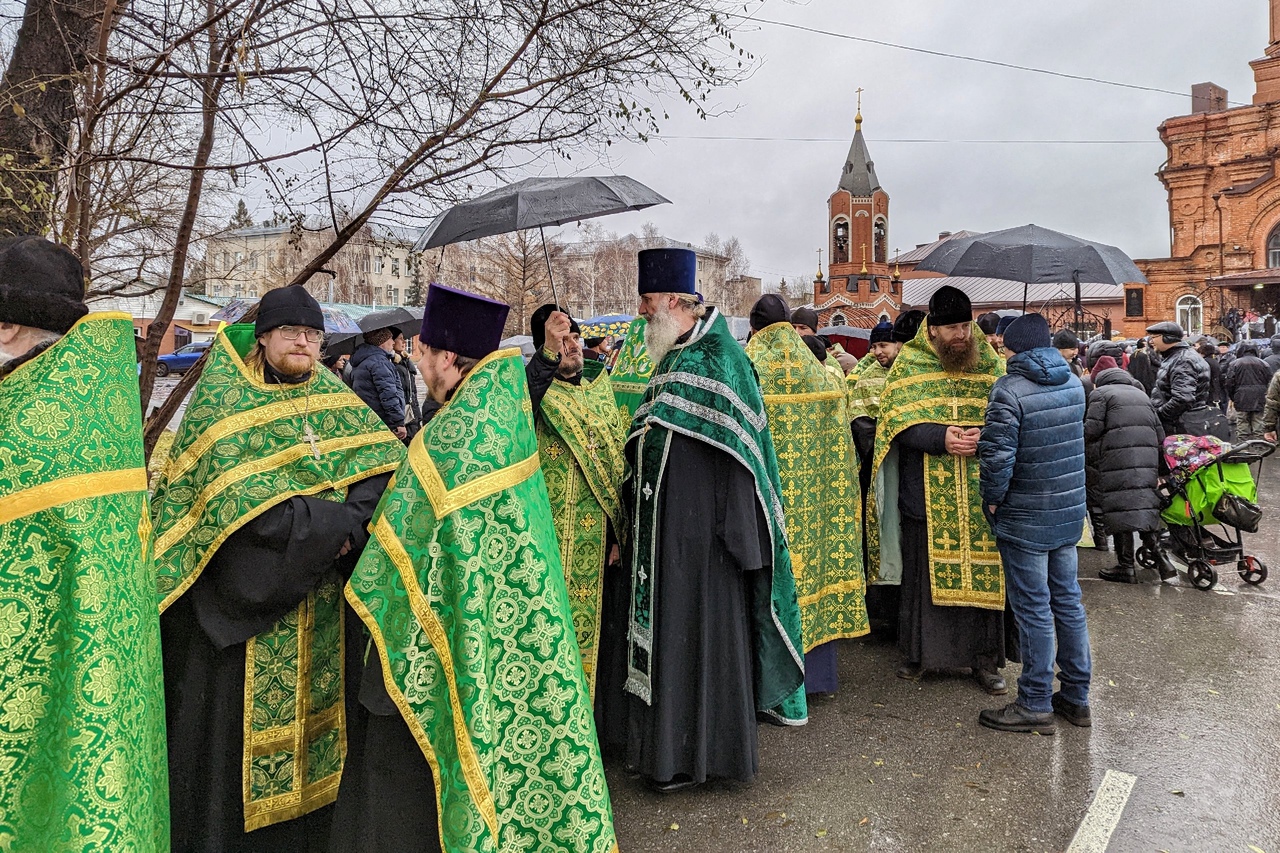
407 320
1033 255
536 203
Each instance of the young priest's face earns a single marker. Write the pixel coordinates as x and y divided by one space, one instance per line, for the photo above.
290 350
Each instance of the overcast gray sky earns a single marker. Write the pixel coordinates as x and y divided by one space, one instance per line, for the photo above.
772 194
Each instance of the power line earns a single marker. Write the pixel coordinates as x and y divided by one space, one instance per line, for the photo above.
978 59
660 137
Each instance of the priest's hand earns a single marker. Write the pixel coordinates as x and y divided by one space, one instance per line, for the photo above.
401 433
557 329
962 442
615 556
346 549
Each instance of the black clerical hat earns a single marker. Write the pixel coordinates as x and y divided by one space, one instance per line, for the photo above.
462 323
769 309
907 324
948 306
882 333
41 284
538 324
287 306
668 271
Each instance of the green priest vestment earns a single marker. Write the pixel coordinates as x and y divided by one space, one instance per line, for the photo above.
632 370
707 390
82 732
462 589
965 567
808 419
580 438
244 447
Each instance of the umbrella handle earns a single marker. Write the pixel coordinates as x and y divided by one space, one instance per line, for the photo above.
555 300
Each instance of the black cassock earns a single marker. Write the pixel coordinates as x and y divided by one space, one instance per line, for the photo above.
702 720
932 636
263 571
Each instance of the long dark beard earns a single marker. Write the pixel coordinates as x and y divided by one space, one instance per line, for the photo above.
958 362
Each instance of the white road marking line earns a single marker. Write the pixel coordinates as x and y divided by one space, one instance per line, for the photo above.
1094 833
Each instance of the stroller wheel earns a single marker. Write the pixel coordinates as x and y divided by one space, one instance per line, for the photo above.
1201 574
1252 570
1145 558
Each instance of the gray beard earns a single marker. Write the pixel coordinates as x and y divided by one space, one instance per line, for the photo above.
661 334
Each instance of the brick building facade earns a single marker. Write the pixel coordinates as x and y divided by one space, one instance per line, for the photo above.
1224 212
859 288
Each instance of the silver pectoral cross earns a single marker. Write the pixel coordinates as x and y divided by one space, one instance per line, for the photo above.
309 436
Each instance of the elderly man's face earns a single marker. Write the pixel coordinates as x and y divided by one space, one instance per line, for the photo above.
570 356
1159 344
290 350
652 303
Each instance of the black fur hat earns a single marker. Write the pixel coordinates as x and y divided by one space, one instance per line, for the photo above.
41 284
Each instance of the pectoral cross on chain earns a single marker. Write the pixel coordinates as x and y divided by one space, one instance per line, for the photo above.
309 436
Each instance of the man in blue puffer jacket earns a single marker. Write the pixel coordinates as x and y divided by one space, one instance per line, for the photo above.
1031 458
375 380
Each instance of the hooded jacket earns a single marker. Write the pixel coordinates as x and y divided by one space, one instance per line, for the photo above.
1122 437
1246 381
375 380
1031 452
1181 385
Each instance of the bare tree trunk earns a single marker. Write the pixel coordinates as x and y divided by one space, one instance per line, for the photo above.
38 107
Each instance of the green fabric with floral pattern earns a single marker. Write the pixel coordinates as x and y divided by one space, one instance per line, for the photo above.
83 765
245 446
462 590
631 372
580 437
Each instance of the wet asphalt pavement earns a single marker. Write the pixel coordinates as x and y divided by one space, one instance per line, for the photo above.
1185 696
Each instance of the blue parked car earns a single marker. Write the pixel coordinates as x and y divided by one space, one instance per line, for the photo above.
181 361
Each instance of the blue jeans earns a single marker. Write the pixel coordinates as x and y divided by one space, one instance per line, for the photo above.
1044 594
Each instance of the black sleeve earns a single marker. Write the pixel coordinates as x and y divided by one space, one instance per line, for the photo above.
925 438
864 436
269 565
540 372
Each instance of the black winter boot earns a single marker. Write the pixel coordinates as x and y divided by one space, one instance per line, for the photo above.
1123 571
1099 533
1151 541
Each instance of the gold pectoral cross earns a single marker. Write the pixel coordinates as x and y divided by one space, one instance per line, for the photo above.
309 436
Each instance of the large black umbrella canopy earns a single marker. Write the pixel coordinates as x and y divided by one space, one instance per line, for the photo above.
391 318
1033 255
536 203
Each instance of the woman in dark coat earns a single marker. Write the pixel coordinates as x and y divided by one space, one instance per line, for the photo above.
1122 436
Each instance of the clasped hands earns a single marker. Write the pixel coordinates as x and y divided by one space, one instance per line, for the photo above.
961 441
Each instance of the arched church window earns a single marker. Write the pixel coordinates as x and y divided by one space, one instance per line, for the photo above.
840 242
1190 313
837 319
881 238
1273 248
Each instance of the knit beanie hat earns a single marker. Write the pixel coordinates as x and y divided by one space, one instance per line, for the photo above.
1004 324
41 284
806 317
1030 331
1104 363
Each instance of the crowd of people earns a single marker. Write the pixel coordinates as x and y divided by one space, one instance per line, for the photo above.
345 619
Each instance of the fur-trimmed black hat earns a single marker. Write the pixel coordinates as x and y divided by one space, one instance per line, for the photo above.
538 323
41 284
948 306
988 322
1065 339
882 333
287 306
769 309
907 324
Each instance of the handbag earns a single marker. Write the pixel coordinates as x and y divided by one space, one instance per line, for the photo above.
1206 420
1240 513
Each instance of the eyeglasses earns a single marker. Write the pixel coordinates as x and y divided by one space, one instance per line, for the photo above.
291 333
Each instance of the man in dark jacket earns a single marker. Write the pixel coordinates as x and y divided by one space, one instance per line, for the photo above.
1273 360
1182 384
1246 386
408 381
1217 393
1031 456
374 379
1141 367
1122 438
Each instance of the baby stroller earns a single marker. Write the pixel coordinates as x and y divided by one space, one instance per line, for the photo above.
1209 484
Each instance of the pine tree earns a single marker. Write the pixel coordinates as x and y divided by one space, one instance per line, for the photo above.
241 219
415 294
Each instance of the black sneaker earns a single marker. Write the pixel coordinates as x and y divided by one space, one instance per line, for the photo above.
1015 718
1076 715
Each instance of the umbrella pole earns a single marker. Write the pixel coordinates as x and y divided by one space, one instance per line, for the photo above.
550 276
1025 287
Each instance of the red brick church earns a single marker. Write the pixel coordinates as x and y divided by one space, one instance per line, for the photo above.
860 287
1224 212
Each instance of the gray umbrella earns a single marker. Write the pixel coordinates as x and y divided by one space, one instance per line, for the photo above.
1033 255
391 318
536 203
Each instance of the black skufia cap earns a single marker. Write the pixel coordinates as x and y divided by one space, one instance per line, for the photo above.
41 284
287 306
